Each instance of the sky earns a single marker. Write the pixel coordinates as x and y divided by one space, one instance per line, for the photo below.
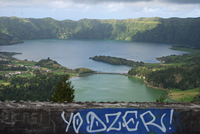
99 9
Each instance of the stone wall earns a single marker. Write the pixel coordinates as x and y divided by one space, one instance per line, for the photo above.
104 117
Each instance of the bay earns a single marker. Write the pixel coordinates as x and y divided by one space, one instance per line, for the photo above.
105 87
99 87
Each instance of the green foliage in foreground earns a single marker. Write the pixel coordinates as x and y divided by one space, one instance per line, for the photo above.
196 99
64 90
41 87
161 99
117 61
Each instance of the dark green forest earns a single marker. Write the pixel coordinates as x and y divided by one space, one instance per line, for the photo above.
182 77
173 30
41 87
181 72
117 61
8 40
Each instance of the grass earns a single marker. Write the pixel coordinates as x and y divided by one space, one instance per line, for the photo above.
23 62
5 83
25 75
1 81
175 64
193 51
151 64
185 96
4 72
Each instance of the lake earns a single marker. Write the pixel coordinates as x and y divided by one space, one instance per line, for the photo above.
98 87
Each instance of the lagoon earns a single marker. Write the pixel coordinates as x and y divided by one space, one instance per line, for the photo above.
98 87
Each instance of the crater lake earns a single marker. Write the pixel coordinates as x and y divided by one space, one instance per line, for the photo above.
98 87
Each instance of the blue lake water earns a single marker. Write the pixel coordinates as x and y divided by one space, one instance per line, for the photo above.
76 53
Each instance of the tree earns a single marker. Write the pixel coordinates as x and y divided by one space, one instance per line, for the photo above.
64 90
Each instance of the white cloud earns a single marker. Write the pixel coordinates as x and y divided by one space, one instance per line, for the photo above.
115 7
101 8
60 4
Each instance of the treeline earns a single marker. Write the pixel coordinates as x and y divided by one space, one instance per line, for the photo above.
81 71
2 62
41 87
173 30
192 59
49 28
6 68
117 61
182 77
49 63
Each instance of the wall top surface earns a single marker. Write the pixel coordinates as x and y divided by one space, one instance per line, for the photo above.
97 105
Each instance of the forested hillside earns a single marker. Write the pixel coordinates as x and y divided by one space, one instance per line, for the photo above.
173 30
179 74
8 40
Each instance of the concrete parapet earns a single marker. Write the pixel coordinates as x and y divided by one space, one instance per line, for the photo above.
102 117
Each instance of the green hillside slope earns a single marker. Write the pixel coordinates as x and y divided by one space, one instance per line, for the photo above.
173 30
8 40
158 30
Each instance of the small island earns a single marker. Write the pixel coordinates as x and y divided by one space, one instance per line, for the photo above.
117 61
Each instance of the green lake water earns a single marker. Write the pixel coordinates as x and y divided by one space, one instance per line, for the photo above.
106 87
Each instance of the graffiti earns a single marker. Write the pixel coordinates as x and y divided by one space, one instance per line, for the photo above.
124 120
13 117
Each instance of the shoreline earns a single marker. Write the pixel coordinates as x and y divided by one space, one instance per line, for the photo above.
168 92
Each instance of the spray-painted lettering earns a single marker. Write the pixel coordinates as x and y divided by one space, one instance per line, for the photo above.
124 120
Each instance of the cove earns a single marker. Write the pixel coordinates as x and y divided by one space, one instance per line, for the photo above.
106 87
98 87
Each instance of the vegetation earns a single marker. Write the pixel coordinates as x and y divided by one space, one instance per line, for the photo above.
64 90
176 72
117 61
182 77
196 99
8 40
185 95
29 80
82 71
48 63
41 87
161 99
173 30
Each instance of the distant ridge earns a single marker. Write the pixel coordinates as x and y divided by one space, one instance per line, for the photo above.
185 31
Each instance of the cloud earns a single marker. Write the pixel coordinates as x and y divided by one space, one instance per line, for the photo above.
65 3
108 1
182 1
133 1
116 9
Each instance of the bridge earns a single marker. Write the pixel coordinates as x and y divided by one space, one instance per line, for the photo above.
102 73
